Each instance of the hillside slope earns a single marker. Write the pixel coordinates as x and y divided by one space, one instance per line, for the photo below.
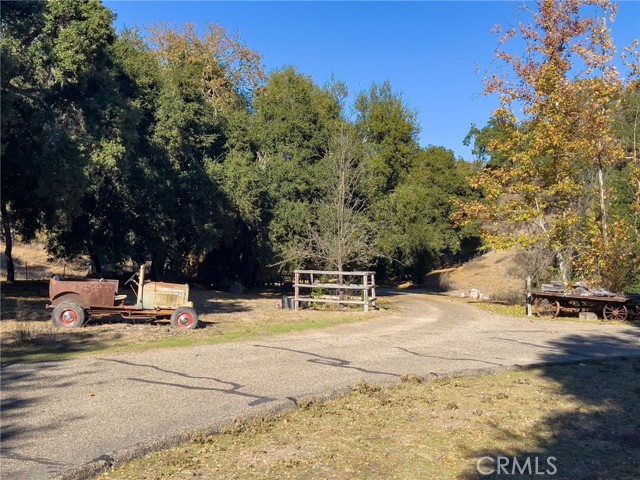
31 262
492 273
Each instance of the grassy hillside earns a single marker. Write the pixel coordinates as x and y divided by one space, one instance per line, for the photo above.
31 262
491 273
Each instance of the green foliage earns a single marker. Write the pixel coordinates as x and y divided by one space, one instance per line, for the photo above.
173 146
483 139
385 120
294 119
418 231
51 92
292 127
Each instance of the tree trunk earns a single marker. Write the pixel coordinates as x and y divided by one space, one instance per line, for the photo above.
157 266
341 283
8 243
637 210
634 159
603 206
95 260
563 266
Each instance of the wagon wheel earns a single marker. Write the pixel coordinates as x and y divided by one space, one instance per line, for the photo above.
543 307
615 312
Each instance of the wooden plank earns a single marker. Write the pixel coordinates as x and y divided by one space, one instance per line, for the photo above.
334 300
301 277
332 272
373 288
365 293
568 296
334 286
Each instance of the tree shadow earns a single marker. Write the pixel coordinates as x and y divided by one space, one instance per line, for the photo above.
48 345
24 300
211 383
330 361
27 390
213 307
21 396
597 437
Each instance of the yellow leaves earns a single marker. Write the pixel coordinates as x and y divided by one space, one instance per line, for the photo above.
614 263
565 87
227 64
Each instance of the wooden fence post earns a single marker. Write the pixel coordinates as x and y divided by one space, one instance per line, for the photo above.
373 289
529 299
365 288
296 298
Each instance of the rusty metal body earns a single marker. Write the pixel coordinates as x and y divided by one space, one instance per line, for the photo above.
156 300
88 293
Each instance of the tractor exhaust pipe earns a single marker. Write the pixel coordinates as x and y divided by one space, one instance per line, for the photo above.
140 285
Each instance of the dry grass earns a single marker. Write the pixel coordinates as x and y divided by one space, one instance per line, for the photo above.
501 308
490 273
31 262
583 415
27 332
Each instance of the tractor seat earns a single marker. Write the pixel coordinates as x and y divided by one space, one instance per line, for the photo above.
120 298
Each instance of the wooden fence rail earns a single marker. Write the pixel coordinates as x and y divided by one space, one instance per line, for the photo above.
341 283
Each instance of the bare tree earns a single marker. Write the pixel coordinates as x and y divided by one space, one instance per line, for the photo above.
341 233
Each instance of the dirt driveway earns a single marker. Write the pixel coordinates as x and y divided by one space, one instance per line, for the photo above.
58 416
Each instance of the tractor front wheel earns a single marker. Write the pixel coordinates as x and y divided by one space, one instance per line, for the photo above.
68 315
184 317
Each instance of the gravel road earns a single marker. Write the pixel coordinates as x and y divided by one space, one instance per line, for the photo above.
71 418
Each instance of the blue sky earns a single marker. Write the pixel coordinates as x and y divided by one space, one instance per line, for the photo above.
429 51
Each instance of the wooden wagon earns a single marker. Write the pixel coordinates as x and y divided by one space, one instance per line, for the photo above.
615 307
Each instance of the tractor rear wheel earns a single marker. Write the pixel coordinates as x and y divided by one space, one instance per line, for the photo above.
184 317
68 315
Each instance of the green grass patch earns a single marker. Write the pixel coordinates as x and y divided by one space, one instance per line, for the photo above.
583 417
29 337
501 309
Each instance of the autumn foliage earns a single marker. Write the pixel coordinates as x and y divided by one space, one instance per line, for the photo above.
559 100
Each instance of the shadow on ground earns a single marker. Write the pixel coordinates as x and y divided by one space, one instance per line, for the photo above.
599 440
20 397
178 379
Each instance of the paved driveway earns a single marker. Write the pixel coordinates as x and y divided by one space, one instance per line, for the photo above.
58 416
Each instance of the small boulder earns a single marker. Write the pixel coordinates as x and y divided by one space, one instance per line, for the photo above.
475 294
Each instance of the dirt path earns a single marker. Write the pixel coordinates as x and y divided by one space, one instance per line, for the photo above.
58 416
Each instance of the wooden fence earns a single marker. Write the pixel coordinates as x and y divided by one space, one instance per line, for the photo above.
341 284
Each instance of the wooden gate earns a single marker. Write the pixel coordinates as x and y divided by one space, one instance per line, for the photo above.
339 287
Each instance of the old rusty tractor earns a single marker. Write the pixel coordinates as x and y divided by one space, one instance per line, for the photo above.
73 302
